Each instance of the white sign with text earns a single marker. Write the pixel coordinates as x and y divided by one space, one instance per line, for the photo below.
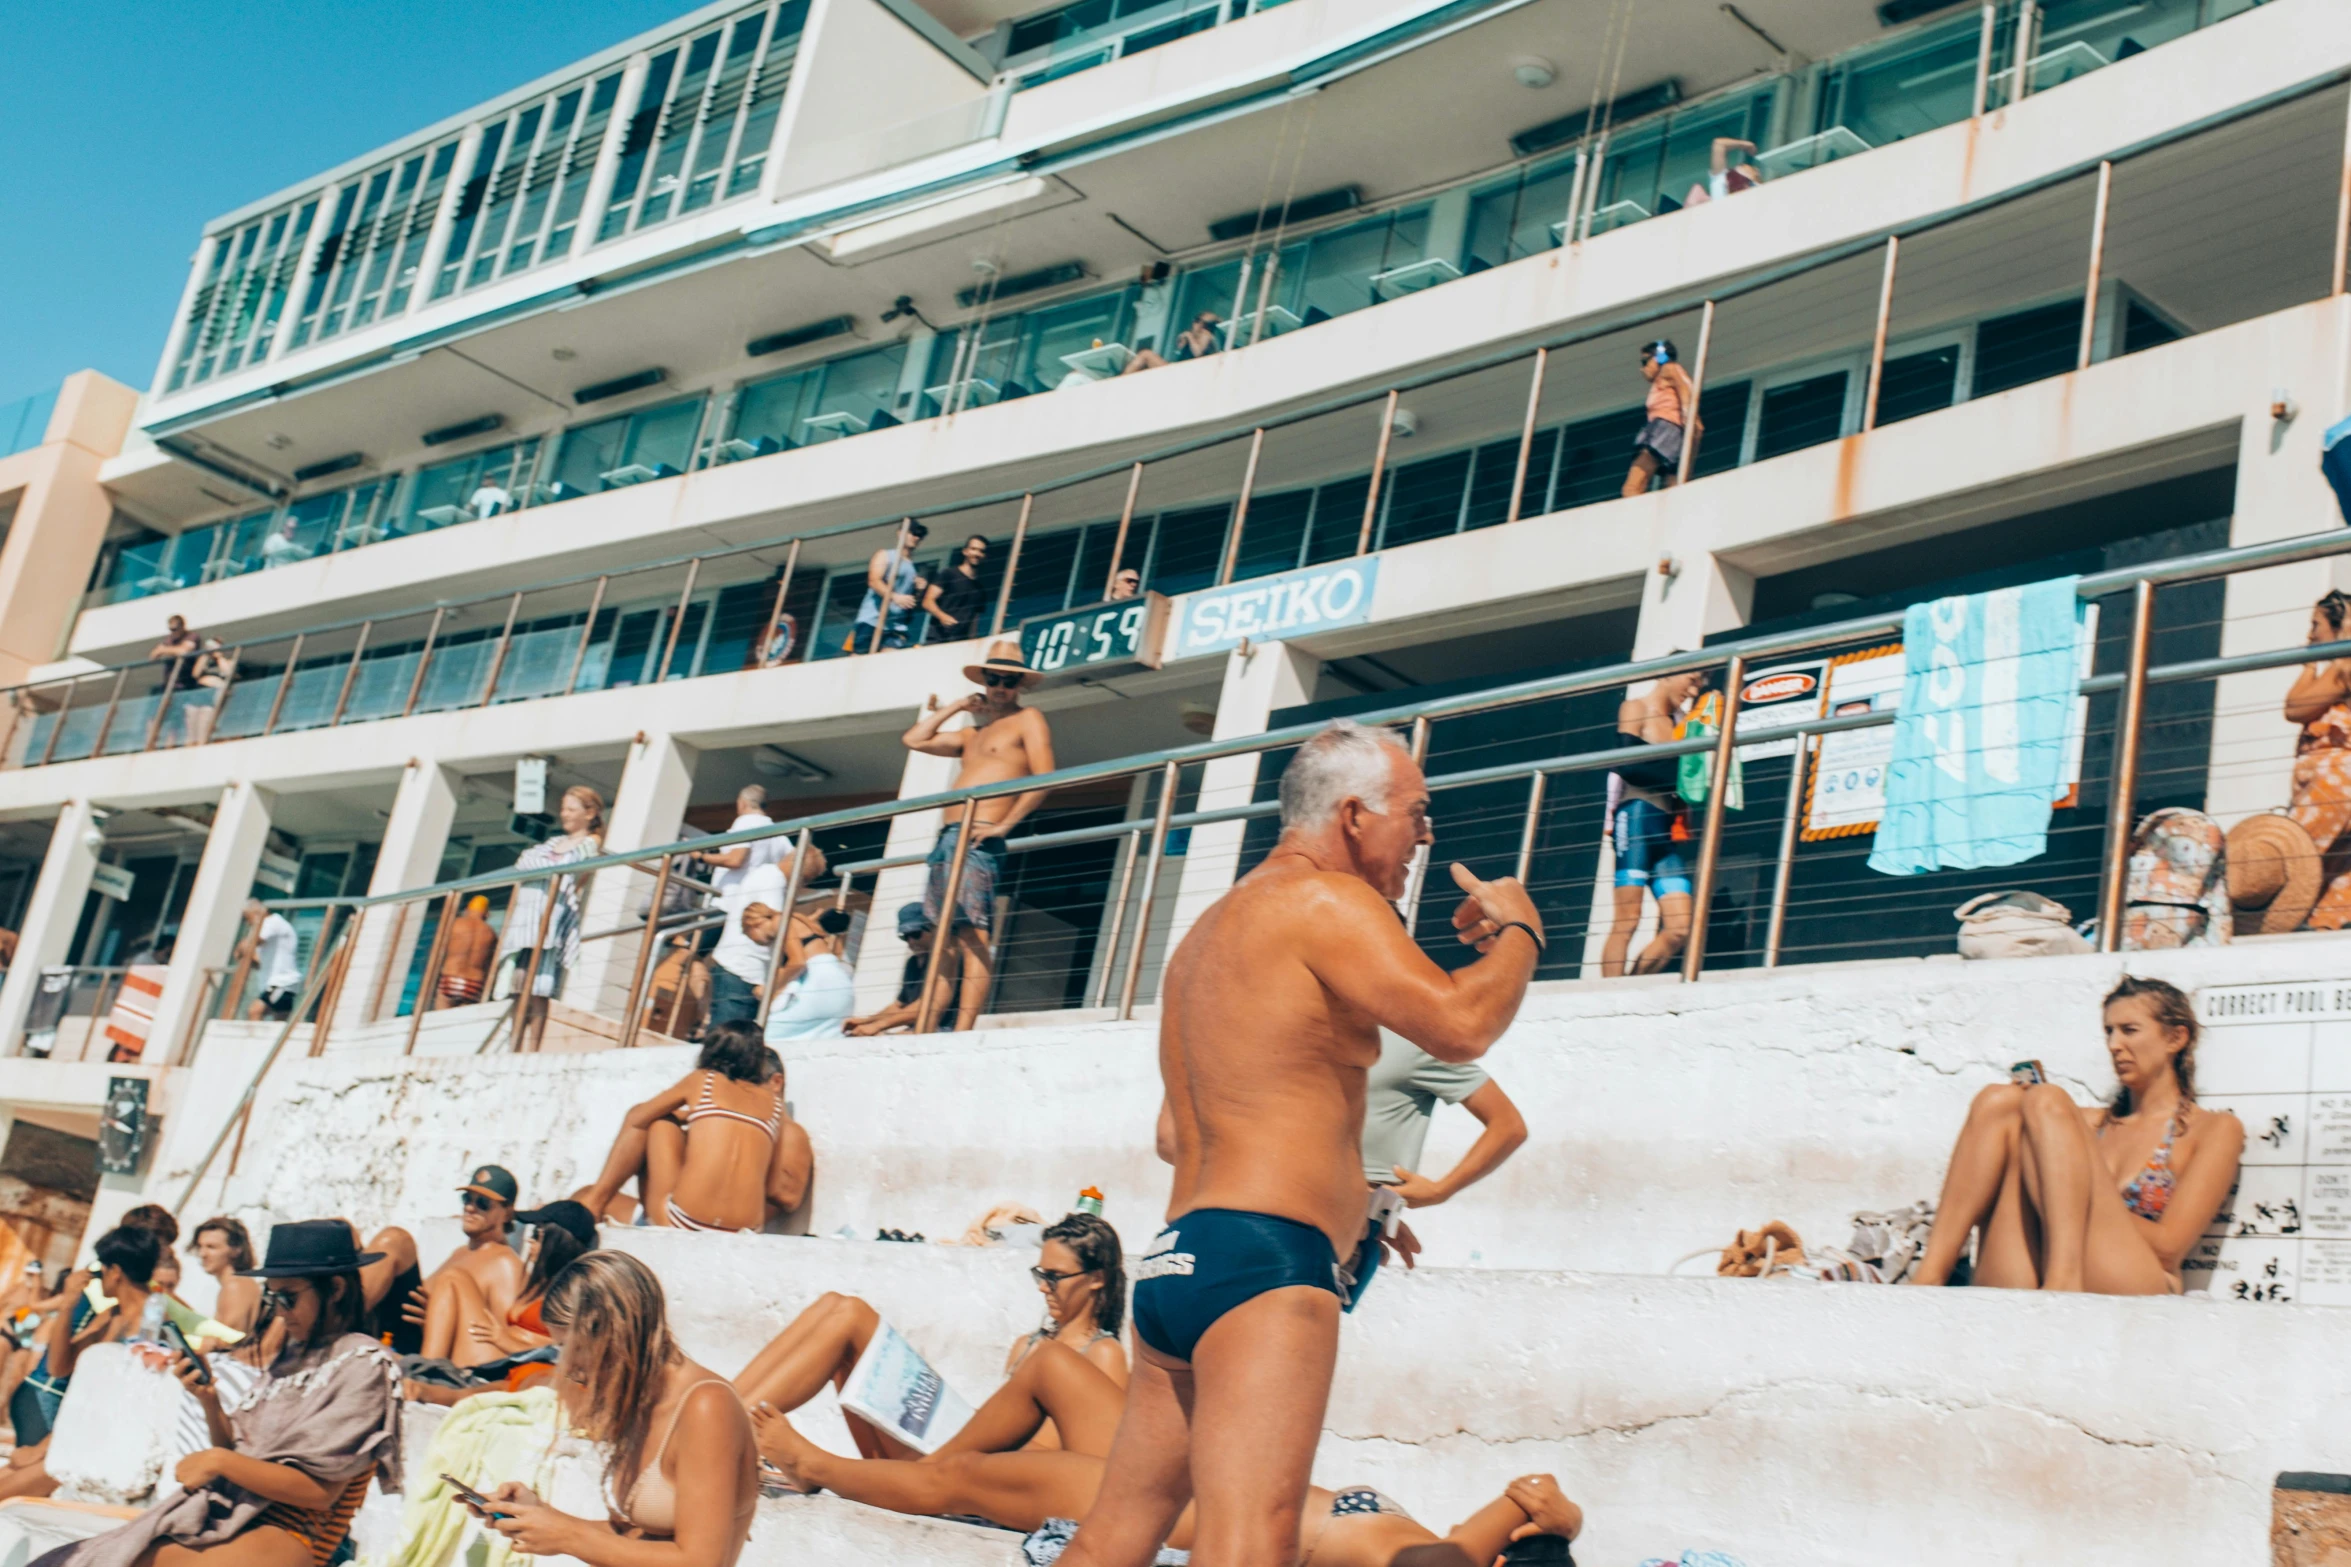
1274 609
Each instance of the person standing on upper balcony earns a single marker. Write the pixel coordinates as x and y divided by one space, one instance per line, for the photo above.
179 644
730 865
1126 585
1005 740
957 600
890 575
2320 702
1723 177
270 946
1671 414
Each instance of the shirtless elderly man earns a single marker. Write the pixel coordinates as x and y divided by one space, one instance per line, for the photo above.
1005 740
1270 1015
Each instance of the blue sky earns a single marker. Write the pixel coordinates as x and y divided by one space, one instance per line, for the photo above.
125 126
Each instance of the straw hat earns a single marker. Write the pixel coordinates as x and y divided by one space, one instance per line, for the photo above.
1003 659
2274 874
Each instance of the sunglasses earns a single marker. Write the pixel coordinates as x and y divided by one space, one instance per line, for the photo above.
1001 682
1047 1278
473 1200
280 1301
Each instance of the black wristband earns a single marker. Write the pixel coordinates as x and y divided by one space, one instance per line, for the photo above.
1540 947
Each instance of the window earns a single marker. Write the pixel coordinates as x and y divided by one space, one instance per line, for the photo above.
532 191
468 489
600 456
367 260
1314 279
247 274
1518 219
1023 353
1918 382
1917 82
1800 413
845 395
1651 168
704 118
2026 346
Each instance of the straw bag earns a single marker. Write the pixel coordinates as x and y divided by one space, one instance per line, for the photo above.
2015 924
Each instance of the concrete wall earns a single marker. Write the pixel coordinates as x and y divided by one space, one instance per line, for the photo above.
60 516
863 75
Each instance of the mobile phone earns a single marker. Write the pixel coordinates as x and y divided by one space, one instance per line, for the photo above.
179 1341
2027 1074
473 1498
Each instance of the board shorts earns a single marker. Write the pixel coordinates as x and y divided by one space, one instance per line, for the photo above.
975 897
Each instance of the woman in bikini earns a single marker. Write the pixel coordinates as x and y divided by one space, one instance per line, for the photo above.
2320 703
682 1481
1643 807
2110 1201
561 1232
714 1150
1082 1275
1041 1493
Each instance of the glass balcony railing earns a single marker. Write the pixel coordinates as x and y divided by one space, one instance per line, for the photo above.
24 424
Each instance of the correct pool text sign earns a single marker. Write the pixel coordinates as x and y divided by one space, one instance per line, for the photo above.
1274 609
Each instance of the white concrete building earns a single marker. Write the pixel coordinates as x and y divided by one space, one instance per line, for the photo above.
622 379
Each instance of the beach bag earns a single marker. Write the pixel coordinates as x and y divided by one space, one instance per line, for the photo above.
1884 1249
2176 891
1696 772
2016 924
1758 1254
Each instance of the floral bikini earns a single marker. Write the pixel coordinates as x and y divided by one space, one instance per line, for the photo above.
2148 1193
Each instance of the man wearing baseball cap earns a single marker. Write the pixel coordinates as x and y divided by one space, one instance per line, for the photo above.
485 1268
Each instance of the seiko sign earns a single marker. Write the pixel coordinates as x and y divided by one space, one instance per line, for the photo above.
1273 609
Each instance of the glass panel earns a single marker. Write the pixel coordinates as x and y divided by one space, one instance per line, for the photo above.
1518 219
259 672
459 669
662 439
538 662
737 613
1023 353
720 114
316 684
479 485
702 114
376 214
766 101
235 311
134 710
1904 86
469 209
578 172
601 456
77 726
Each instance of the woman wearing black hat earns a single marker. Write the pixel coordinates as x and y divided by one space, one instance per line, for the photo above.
288 1469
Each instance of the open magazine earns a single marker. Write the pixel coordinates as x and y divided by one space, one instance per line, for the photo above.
895 1388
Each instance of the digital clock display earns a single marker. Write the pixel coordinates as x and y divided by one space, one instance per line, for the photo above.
1127 632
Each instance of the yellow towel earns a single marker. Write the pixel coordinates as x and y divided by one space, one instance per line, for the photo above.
486 1440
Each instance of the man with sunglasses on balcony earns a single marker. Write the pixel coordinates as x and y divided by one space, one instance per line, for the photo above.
1004 740
485 1266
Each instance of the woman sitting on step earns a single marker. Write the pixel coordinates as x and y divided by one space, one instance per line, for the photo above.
560 1232
683 1479
712 1151
1041 1493
1080 1271
2110 1201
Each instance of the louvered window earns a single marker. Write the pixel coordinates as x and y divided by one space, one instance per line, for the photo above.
248 272
704 119
376 230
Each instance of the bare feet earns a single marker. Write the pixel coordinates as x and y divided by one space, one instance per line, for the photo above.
782 1449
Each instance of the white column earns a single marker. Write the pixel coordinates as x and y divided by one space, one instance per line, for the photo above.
2280 494
49 918
1703 595
410 856
1258 681
215 914
882 959
656 786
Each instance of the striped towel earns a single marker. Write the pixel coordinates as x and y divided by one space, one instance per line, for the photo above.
134 1008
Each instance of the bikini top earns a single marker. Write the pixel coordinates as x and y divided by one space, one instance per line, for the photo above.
705 1106
653 1500
1042 1334
2148 1193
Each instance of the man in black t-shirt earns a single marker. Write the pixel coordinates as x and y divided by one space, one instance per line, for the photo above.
916 931
956 600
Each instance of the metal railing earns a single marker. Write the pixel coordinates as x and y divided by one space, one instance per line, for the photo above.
674 617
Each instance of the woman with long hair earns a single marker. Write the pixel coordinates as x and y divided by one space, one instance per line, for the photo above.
2319 703
1081 1273
287 1470
2110 1200
581 816
224 1249
683 1478
713 1151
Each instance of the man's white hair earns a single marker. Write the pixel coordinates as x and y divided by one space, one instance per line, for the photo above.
1347 761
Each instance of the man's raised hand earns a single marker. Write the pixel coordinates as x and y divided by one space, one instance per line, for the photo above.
1488 906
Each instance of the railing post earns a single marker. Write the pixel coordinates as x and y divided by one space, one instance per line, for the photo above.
1409 904
64 710
246 947
1020 535
1379 466
1877 347
1526 436
579 655
2120 806
645 950
942 934
185 1051
106 719
1169 777
775 948
1128 853
1784 872
2097 262
1126 520
526 985
2028 16
1690 430
881 613
1528 833
1575 197
775 611
429 988
171 681
1232 543
1710 847
351 673
498 657
677 622
243 1113
2343 213
277 699
424 657
331 979
1983 58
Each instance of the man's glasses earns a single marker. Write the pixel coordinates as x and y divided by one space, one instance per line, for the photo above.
1047 1278
475 1200
1001 682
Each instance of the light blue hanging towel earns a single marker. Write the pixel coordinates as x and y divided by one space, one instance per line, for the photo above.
1989 683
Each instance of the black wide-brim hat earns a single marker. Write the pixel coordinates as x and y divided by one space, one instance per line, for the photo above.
311 1249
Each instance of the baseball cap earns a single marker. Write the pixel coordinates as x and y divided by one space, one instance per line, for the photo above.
565 1215
912 920
494 1181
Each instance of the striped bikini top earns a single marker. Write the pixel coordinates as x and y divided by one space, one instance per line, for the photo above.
705 1106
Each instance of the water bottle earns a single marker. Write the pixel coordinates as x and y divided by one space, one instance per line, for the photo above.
1090 1201
151 1319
